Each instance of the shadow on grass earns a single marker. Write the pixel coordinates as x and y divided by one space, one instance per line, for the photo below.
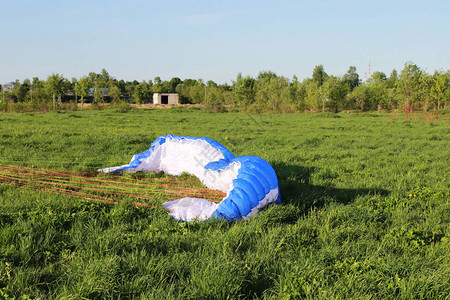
296 189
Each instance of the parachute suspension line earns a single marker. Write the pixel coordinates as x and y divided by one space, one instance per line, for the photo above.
92 186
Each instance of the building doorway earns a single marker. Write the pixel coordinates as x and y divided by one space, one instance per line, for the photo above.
164 99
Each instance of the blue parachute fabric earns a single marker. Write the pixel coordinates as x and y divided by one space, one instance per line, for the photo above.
250 182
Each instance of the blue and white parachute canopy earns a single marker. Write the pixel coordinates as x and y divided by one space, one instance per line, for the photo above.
250 183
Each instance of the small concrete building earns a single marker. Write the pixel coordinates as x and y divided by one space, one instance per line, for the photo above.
166 98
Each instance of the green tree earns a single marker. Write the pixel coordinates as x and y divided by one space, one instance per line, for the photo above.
20 90
94 78
211 84
244 91
114 93
157 85
98 95
266 75
38 94
377 77
424 91
392 80
314 98
56 86
182 91
190 82
409 85
439 87
75 91
376 86
129 87
173 83
82 88
299 93
336 90
201 86
191 91
352 77
319 76
141 92
273 93
104 79
358 97
122 85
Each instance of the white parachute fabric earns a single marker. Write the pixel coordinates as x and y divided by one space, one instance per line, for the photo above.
249 181
191 208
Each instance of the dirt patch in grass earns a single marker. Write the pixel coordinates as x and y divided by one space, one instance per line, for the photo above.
151 105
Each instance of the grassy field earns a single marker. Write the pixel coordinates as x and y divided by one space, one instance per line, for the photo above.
365 211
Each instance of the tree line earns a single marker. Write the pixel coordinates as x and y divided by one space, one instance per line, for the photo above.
411 89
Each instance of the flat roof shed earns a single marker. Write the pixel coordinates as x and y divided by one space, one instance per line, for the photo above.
166 98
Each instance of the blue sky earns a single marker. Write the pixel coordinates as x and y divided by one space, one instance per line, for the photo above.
216 40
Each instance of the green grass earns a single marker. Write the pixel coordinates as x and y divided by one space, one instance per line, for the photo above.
365 211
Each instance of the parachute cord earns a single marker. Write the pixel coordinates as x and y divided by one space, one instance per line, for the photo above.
62 191
80 184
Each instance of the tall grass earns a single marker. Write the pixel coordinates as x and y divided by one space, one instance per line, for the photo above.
365 211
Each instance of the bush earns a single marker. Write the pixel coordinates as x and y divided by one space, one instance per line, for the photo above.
120 106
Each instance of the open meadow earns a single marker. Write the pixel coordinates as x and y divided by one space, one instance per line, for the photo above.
365 211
